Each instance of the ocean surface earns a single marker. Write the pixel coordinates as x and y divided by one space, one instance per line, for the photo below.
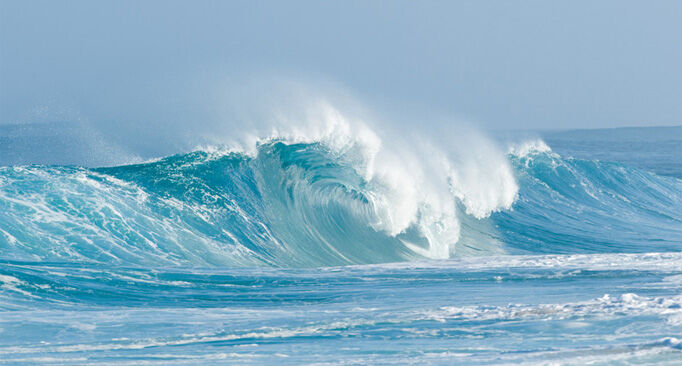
560 248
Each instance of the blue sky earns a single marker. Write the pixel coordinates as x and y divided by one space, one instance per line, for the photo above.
497 64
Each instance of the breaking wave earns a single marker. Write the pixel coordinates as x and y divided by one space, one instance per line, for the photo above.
335 193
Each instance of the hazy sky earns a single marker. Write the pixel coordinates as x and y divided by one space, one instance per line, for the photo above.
499 64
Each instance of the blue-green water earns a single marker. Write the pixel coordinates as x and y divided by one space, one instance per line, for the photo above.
292 254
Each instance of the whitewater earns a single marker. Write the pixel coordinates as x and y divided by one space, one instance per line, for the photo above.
329 241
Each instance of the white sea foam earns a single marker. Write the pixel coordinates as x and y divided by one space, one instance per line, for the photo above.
529 147
663 262
607 305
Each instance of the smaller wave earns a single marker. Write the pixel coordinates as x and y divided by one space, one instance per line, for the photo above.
569 205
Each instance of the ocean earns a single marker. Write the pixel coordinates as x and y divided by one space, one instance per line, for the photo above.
545 247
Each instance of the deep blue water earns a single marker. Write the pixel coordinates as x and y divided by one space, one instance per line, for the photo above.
291 255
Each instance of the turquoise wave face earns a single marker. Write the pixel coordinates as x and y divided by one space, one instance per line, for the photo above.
303 205
293 205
